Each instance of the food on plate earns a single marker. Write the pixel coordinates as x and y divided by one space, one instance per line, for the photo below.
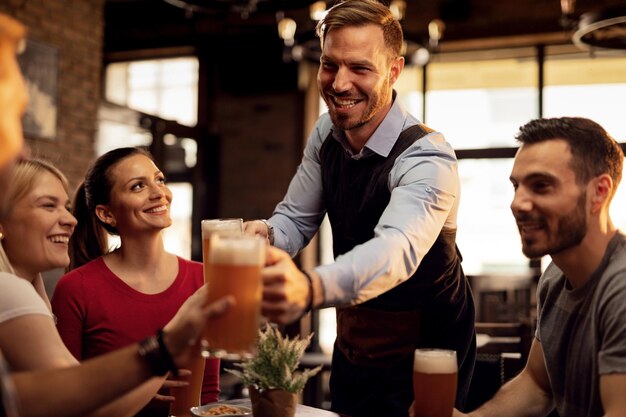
221 410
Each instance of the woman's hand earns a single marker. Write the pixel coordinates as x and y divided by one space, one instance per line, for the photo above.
183 334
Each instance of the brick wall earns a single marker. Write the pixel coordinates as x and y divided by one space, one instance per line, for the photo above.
261 147
75 29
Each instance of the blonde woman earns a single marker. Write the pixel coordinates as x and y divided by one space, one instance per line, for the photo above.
35 223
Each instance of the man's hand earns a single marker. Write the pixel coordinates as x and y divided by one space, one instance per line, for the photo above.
255 227
285 288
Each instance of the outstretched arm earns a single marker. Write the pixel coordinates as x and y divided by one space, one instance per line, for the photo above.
526 395
80 389
77 390
612 389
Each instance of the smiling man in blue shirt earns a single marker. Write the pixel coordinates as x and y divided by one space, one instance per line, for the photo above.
391 190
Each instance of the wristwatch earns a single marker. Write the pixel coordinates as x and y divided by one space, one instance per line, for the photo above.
270 231
153 350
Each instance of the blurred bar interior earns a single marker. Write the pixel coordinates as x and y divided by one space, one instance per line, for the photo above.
223 93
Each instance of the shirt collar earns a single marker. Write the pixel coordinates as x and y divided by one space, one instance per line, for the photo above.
384 137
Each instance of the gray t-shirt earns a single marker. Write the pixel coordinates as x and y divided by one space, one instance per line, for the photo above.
583 331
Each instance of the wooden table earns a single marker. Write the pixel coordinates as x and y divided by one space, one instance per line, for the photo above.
301 410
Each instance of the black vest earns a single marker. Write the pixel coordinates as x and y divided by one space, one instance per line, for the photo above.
356 192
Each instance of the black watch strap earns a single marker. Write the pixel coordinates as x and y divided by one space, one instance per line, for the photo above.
153 350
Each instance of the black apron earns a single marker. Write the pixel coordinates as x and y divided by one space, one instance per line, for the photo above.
373 356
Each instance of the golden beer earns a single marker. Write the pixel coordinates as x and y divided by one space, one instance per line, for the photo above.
434 382
233 267
189 396
224 227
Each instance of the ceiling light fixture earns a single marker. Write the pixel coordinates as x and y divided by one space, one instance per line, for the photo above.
604 29
436 27
567 14
398 9
317 10
287 30
567 7
420 57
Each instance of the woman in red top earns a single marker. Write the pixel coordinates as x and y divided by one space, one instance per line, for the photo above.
112 298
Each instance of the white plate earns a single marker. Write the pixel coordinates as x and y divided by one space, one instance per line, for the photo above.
203 410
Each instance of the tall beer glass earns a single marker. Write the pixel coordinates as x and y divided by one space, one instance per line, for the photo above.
434 382
233 267
224 227
188 396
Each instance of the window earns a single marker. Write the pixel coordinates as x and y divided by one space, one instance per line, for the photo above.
480 104
167 88
578 85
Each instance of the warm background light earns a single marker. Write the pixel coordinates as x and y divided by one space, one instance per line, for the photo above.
317 10
398 7
287 30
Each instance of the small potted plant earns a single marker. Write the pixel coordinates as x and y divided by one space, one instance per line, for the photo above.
272 376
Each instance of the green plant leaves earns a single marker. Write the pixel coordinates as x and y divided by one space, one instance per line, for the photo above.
276 362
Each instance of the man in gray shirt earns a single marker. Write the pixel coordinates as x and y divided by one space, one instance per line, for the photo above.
565 175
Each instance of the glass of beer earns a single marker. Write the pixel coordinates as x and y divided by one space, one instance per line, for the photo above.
233 267
434 382
188 396
224 227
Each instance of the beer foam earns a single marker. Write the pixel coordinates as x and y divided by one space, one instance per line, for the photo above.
221 226
243 250
435 362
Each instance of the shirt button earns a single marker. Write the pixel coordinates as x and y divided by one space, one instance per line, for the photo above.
430 190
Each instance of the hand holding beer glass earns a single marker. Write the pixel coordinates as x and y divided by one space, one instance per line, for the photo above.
189 396
233 267
434 382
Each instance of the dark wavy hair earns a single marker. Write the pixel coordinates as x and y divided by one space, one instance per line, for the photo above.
89 240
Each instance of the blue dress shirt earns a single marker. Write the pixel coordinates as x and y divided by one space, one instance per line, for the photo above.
425 192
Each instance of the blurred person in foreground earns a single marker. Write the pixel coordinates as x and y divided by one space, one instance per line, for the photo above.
390 187
77 390
565 175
